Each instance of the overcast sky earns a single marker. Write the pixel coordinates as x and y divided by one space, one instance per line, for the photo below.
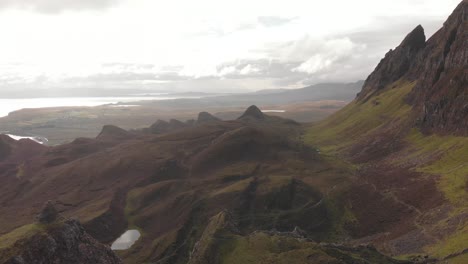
203 45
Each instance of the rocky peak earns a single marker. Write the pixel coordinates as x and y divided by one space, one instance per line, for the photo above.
416 40
253 112
395 64
204 117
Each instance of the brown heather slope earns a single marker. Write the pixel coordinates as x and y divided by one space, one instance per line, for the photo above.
169 185
406 136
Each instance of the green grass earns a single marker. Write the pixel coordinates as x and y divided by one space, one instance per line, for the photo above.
451 163
262 249
22 232
357 119
443 157
453 244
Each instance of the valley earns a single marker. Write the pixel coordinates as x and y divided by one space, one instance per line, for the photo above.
381 179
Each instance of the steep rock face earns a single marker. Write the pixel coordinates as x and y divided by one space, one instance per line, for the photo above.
441 95
395 64
440 67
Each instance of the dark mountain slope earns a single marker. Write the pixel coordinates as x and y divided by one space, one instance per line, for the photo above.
169 185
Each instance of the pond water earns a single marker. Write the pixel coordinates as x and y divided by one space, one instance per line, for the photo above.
126 240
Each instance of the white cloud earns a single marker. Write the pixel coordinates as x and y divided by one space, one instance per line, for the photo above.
202 39
328 53
54 6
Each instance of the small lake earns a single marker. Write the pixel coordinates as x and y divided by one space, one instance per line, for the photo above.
126 240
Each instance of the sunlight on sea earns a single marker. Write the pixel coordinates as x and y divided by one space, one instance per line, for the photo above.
10 105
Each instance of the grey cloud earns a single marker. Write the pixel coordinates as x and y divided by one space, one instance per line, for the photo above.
56 6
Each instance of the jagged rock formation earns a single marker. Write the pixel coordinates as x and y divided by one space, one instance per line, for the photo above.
252 113
395 64
441 94
440 67
59 241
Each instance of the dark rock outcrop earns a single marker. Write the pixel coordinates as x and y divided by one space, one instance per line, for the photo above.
252 113
48 214
205 117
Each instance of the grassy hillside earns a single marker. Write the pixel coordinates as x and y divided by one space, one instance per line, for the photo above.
380 134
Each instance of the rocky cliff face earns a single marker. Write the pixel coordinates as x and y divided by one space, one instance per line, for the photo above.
440 67
441 94
395 64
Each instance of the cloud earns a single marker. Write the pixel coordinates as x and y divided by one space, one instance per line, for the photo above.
274 21
57 6
328 54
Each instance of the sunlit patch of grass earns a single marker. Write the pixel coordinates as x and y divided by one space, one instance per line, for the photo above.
262 248
451 162
357 119
453 244
22 232
462 259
